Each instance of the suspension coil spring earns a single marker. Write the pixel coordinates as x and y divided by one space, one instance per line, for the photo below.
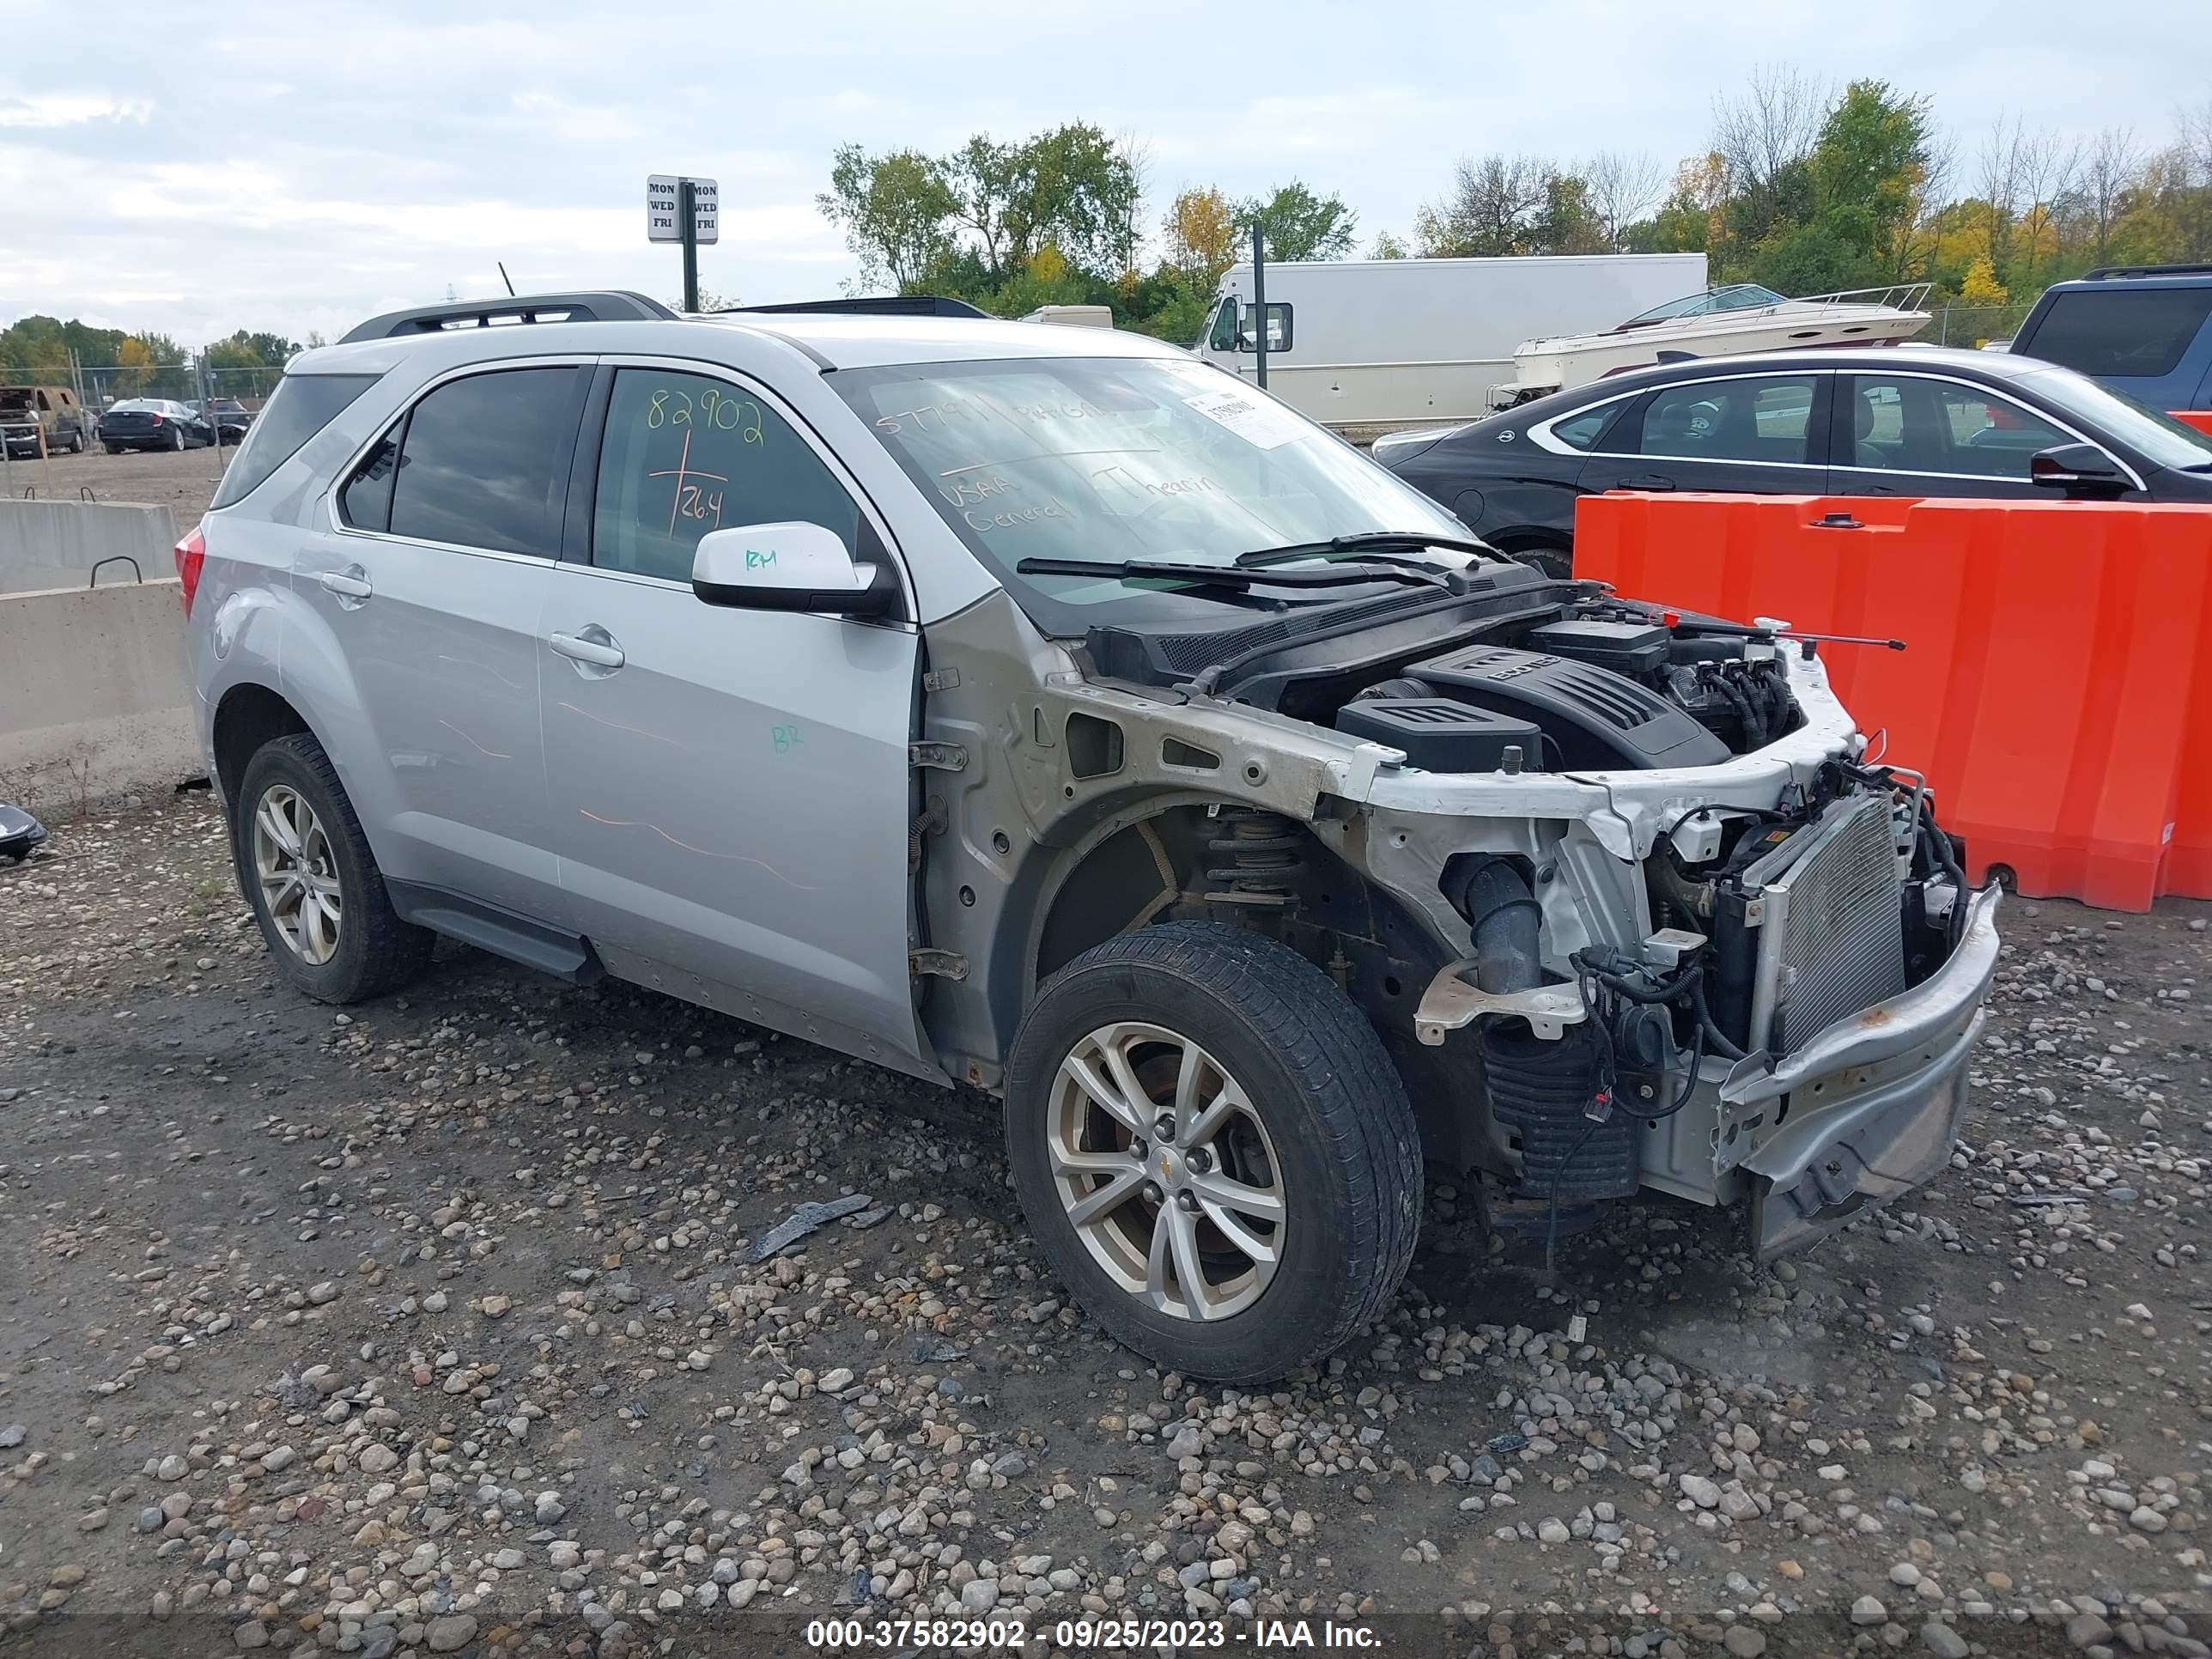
1257 862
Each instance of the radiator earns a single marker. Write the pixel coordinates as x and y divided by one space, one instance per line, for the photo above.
1831 934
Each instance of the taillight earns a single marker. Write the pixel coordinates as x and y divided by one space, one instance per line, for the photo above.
192 553
157 420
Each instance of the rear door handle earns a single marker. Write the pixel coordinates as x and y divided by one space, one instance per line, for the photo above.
593 646
351 585
1647 481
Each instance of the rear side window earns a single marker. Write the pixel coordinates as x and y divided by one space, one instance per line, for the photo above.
1581 431
2140 332
302 406
485 461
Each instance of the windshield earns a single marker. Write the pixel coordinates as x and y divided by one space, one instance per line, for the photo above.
1111 458
2152 433
1736 298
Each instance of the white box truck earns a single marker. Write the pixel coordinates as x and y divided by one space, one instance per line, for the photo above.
1367 345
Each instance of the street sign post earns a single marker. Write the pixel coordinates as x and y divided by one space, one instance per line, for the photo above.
686 211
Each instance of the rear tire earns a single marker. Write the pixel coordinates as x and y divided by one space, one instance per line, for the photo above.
307 870
177 439
1257 1139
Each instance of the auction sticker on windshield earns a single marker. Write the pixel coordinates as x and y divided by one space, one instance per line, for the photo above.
1260 424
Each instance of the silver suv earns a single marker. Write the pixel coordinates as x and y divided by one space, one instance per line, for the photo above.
1041 710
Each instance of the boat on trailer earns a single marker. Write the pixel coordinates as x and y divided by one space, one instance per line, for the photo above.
1721 322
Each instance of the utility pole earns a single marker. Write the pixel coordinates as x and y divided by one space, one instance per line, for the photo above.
687 207
1260 306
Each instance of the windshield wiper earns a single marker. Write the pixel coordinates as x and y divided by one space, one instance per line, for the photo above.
1377 538
1240 575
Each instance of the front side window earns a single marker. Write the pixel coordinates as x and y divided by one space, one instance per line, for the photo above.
485 460
1223 337
687 453
1906 424
1111 458
1755 418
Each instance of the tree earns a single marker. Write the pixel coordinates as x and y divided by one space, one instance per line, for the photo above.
1865 167
136 361
2109 166
1488 209
1389 245
1763 135
1200 229
1981 286
1298 224
1565 222
1620 188
894 209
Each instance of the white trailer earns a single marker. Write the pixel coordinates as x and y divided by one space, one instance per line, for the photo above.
1372 344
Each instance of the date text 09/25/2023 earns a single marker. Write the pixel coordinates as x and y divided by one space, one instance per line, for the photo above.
1124 1635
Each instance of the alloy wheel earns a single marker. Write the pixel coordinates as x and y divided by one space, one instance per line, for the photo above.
296 869
1164 1166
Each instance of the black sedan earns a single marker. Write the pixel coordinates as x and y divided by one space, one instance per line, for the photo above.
154 423
1897 421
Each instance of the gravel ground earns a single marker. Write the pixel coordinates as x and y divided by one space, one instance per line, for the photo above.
434 1326
184 483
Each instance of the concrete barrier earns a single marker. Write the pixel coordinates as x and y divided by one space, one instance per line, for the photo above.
94 699
57 544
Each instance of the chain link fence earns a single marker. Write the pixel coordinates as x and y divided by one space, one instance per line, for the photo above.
1974 326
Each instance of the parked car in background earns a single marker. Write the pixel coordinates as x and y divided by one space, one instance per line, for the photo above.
27 410
154 423
1899 421
231 417
2143 329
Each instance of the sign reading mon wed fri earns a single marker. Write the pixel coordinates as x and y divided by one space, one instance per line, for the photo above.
663 216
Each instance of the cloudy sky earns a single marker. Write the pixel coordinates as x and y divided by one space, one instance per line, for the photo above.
296 166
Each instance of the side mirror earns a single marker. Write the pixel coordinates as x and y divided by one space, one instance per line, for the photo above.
788 567
2071 466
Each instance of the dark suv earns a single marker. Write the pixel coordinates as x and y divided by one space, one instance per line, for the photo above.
2143 329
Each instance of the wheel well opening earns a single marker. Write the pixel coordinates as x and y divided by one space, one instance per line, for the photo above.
248 717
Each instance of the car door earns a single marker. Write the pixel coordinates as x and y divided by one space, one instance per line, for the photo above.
1920 435
429 575
730 788
1755 433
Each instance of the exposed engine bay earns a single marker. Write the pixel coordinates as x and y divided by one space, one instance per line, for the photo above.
1564 681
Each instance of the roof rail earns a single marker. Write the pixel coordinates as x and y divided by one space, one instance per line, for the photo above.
598 305
2104 273
880 305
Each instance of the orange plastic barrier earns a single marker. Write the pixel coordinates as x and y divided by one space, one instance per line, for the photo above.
2057 686
2199 418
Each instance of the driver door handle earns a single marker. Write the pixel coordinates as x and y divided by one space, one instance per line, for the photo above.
601 653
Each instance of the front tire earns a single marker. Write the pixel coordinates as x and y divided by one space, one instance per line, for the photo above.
1552 559
1213 1149
306 868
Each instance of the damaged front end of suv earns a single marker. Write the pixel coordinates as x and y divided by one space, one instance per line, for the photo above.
1617 887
